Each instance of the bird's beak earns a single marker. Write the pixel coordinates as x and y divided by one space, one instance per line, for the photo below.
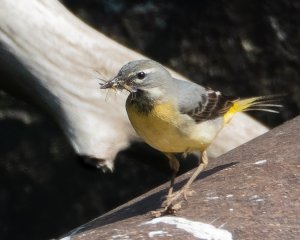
117 84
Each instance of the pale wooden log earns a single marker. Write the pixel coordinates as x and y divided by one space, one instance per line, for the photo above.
62 55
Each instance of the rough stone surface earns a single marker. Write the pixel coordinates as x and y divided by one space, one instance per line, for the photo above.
251 192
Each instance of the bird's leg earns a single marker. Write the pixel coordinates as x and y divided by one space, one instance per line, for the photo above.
203 161
171 205
174 165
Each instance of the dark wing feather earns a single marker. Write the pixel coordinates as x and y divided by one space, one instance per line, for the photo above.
212 105
201 103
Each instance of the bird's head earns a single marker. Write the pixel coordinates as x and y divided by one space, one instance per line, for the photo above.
140 75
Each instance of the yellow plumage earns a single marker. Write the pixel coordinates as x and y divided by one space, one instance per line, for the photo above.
170 131
262 103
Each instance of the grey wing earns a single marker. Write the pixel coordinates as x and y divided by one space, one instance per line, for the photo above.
201 103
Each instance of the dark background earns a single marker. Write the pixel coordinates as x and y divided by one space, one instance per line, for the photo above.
242 48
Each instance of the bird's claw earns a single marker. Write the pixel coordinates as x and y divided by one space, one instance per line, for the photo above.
171 205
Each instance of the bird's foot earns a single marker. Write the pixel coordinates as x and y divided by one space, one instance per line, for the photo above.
168 210
173 202
180 195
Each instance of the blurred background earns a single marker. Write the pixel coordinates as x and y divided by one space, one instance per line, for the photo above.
243 48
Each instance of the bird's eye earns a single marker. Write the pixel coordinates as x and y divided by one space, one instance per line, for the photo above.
141 75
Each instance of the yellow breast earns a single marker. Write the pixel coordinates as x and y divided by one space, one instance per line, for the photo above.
167 130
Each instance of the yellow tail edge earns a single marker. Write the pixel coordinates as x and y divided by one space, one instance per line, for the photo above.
261 103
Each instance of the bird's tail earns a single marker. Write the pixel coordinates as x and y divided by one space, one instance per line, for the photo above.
262 103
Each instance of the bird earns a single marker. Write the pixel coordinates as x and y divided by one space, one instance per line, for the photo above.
178 117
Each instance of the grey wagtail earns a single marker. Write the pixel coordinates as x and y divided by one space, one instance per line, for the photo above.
176 116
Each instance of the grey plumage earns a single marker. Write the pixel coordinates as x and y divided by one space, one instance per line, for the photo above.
201 103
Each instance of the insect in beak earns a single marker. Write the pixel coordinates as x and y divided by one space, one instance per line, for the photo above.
129 88
112 84
117 85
